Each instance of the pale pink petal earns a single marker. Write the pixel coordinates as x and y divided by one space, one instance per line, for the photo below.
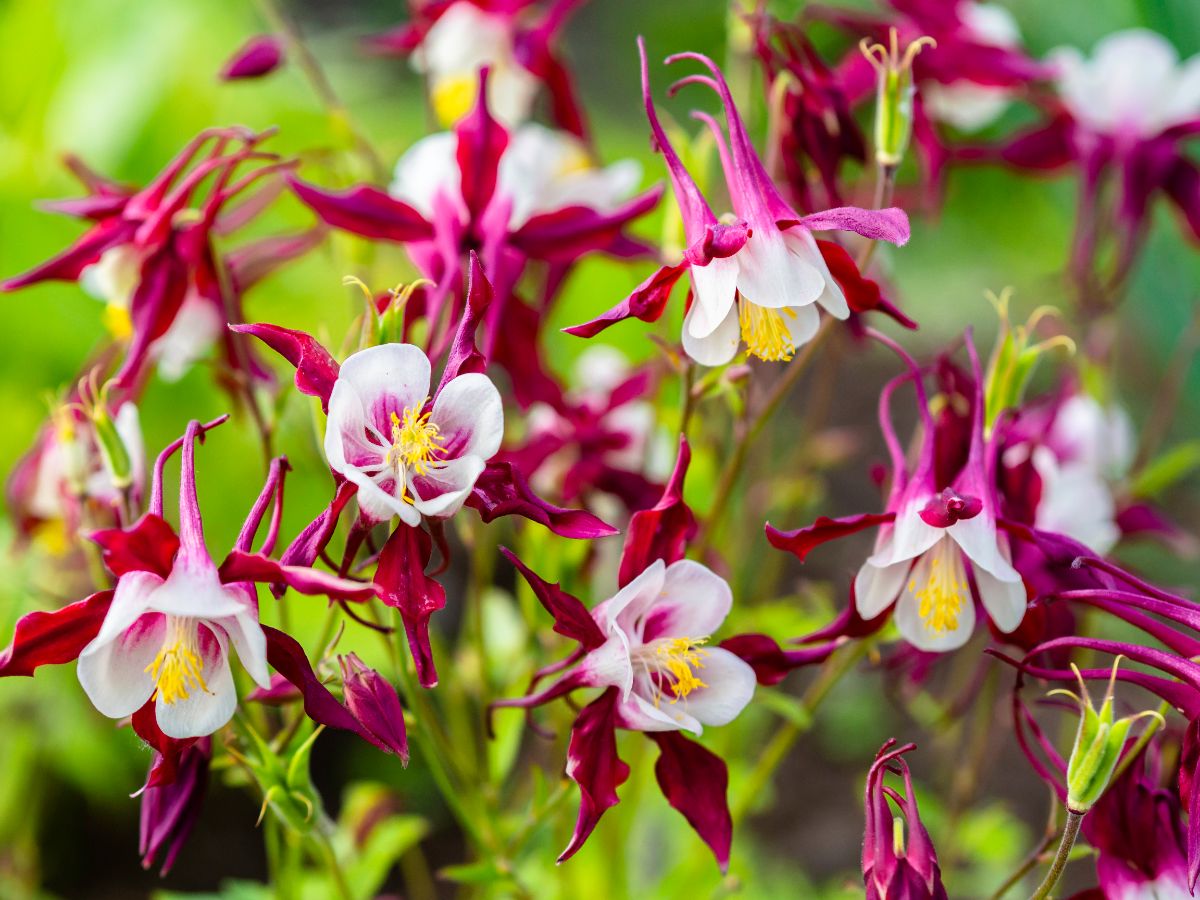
693 603
114 673
628 604
195 591
132 598
981 543
441 491
639 714
376 503
469 416
770 275
801 242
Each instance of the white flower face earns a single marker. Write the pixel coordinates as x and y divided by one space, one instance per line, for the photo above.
410 457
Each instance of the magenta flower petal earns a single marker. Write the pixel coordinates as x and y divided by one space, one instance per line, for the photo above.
502 490
803 541
259 56
571 618
663 531
403 584
593 764
316 369
52 638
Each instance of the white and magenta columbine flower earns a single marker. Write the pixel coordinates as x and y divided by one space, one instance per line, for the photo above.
648 649
760 280
158 647
450 42
934 541
410 455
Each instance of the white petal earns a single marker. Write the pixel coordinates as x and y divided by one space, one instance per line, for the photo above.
639 714
202 712
981 543
195 591
113 673
442 490
429 167
771 275
801 242
1004 601
470 416
713 290
914 630
246 634
627 605
802 323
693 603
196 327
610 665
911 537
378 504
132 598
729 688
876 587
719 347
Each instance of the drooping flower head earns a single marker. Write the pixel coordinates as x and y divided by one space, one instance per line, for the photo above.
938 545
759 281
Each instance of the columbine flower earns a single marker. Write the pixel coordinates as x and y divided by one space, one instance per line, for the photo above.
528 195
161 641
931 535
648 648
898 859
760 280
410 455
451 42
149 254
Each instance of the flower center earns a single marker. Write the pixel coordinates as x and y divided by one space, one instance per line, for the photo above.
765 331
177 669
939 582
671 664
415 441
452 96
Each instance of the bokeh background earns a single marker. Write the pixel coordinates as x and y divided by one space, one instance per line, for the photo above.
124 83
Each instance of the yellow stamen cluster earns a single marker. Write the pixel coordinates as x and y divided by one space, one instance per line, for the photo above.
453 96
177 670
415 441
117 320
940 585
676 662
765 331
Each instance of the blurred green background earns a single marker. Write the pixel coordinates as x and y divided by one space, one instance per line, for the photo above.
125 84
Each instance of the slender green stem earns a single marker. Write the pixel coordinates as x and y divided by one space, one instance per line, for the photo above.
841 662
332 864
752 430
1070 832
339 116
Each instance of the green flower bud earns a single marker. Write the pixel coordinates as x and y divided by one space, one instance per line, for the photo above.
1098 744
894 95
1014 358
113 451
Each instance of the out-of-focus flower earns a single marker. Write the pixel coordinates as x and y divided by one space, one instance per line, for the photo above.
930 535
647 647
898 858
259 56
450 41
169 811
528 195
596 438
149 254
760 280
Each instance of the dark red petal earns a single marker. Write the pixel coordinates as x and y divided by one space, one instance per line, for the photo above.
771 663
803 540
403 584
663 531
647 302
366 211
464 355
374 702
694 781
571 618
593 764
148 546
502 490
316 369
481 141
239 566
51 638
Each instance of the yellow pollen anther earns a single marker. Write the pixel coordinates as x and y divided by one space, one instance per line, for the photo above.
765 331
177 670
675 662
117 320
453 96
416 441
939 583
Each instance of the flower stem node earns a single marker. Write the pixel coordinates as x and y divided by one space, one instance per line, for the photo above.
894 95
1098 744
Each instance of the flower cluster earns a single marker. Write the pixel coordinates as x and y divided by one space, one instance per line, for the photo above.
450 437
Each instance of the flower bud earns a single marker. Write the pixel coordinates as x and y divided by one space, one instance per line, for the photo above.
894 96
1014 358
114 453
374 702
1098 744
